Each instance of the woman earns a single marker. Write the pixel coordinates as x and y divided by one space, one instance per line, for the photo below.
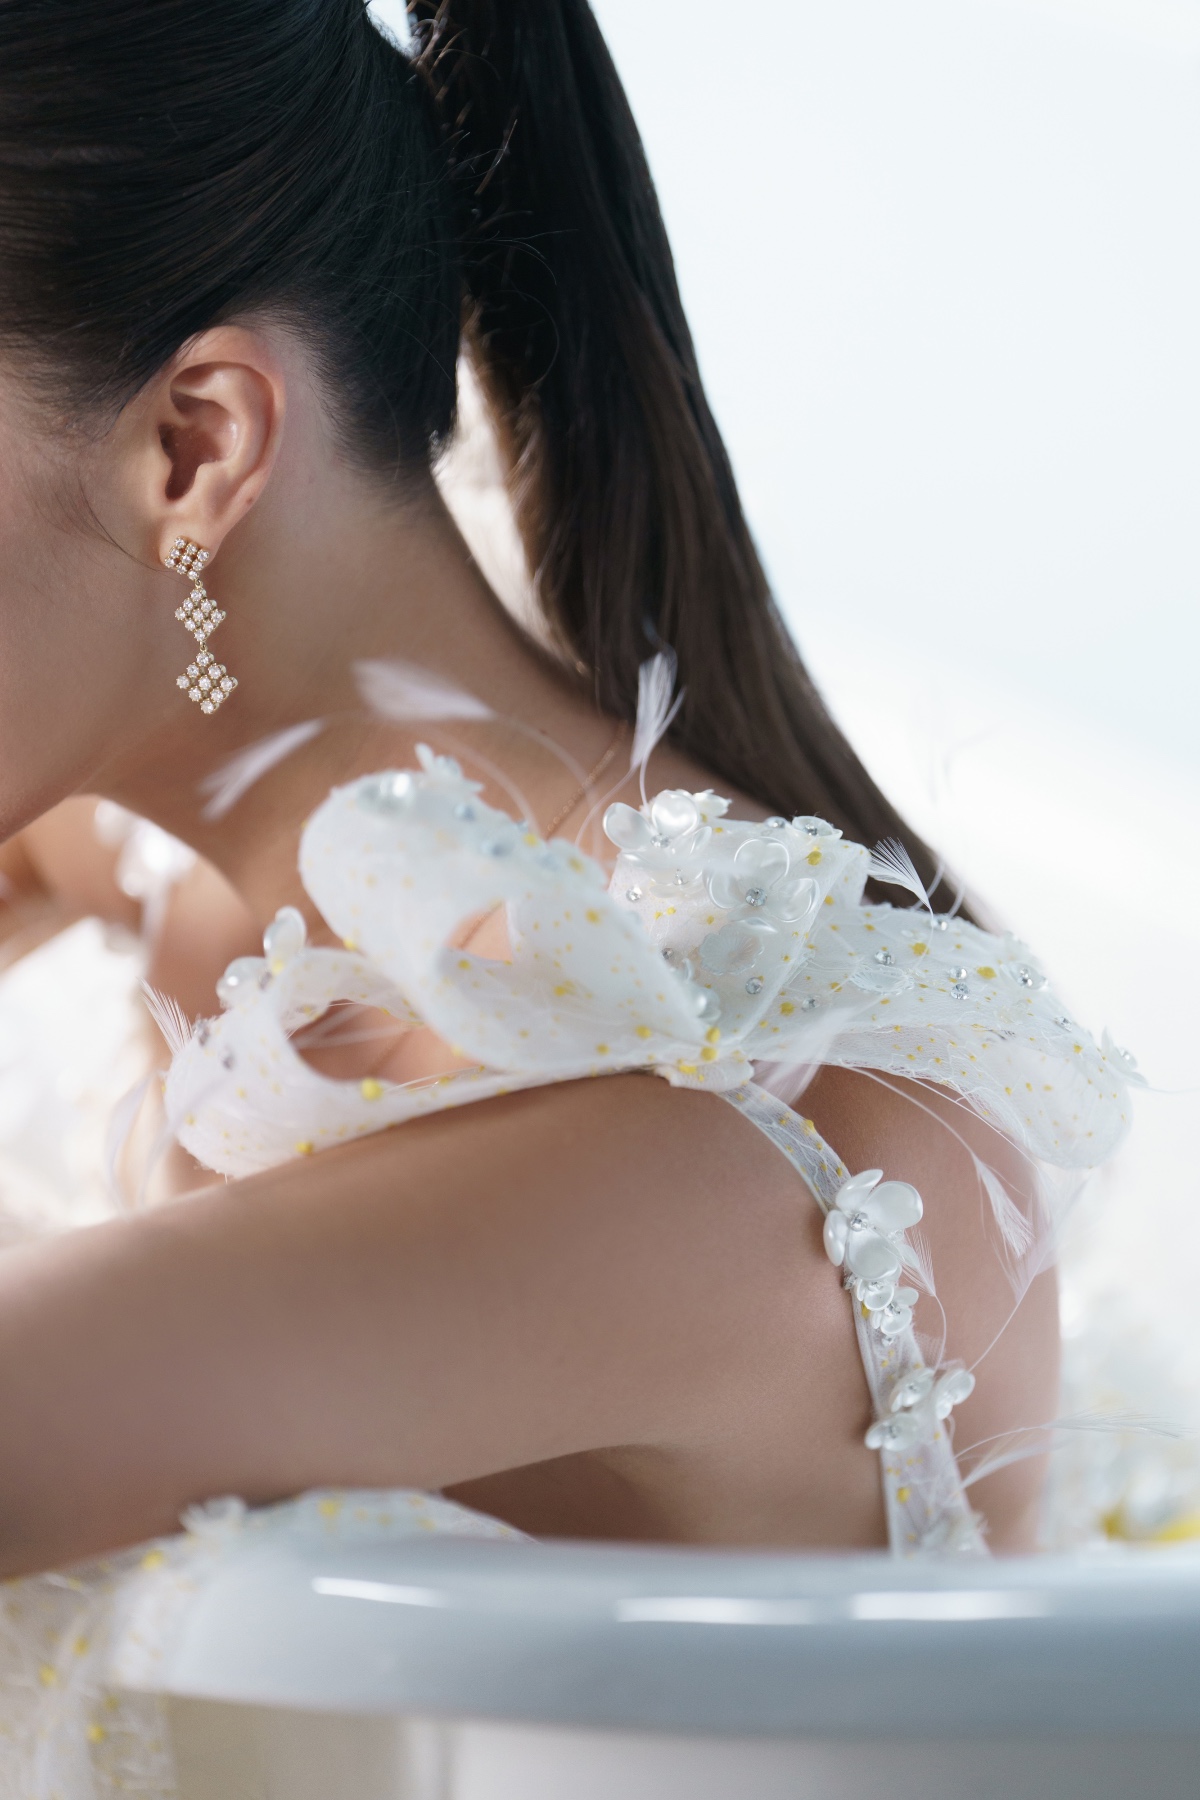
238 245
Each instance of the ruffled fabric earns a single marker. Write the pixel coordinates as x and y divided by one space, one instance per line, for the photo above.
716 945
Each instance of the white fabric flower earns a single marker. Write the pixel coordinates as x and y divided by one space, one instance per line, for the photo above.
880 973
760 887
812 827
667 836
283 939
863 1232
919 1404
734 947
1022 968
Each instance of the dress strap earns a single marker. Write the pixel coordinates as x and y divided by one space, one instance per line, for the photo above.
926 1502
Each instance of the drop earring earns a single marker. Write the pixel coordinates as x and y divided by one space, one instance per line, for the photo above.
208 683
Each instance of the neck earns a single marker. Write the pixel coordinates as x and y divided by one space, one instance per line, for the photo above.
309 592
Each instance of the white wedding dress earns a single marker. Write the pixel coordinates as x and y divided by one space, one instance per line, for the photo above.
719 951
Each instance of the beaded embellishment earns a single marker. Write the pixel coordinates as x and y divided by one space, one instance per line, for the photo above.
207 682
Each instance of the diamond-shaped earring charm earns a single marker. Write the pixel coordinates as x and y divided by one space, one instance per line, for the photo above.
206 682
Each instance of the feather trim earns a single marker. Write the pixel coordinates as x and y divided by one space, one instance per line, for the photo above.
891 862
656 709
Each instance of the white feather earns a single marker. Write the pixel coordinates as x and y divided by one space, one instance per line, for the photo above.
1014 1227
169 1016
655 709
914 1249
891 862
400 690
226 785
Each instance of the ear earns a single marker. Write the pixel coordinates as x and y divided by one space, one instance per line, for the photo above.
206 432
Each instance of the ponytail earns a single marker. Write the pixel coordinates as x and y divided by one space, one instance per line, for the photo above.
622 486
141 201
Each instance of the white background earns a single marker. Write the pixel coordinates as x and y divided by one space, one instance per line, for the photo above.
942 259
942 262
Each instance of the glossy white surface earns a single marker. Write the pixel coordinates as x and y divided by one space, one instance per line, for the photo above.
683 1641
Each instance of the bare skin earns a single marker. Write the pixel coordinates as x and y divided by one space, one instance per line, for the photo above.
599 1309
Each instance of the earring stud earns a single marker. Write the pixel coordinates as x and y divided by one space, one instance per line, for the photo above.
206 681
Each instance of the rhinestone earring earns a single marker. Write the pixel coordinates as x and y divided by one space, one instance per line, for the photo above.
207 682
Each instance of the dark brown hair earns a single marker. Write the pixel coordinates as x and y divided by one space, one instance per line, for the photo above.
165 164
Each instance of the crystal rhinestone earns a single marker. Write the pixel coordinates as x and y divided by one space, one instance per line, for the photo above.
939 923
228 1059
756 896
1026 976
386 793
775 824
809 1003
858 1221
180 615
496 847
204 658
226 685
206 706
633 895
958 974
1064 1023
672 958
885 957
812 830
193 670
204 684
659 841
959 991
194 693
756 984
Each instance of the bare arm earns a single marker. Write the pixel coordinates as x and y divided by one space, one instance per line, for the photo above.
609 1263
